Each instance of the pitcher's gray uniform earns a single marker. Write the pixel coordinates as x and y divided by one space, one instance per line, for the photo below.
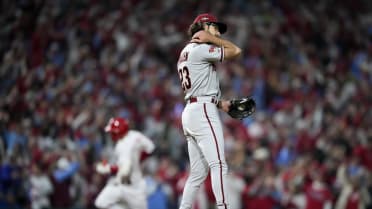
201 121
200 118
197 70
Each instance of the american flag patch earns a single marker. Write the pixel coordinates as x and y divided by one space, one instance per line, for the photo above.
211 49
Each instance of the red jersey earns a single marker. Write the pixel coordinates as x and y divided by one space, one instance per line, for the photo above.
353 200
317 197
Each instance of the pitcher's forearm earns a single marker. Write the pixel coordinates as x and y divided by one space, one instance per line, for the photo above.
230 49
224 105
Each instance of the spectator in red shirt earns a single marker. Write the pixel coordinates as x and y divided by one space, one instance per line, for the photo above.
365 154
261 193
318 194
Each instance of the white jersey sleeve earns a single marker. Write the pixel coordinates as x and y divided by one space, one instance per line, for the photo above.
210 53
146 144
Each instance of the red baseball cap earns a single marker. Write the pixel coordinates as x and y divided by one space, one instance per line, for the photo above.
118 127
206 17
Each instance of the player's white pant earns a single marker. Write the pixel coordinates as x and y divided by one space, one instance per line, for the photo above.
122 196
203 130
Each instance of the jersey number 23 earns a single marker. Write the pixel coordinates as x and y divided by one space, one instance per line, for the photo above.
185 78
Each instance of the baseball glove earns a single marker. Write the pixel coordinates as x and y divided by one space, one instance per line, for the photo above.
242 108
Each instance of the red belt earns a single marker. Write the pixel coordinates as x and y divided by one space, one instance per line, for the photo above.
203 99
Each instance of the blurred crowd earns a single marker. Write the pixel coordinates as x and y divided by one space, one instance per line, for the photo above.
68 66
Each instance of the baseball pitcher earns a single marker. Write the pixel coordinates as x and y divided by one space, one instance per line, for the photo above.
126 188
200 118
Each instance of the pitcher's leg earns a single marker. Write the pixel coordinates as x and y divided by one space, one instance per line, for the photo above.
198 173
212 146
218 180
